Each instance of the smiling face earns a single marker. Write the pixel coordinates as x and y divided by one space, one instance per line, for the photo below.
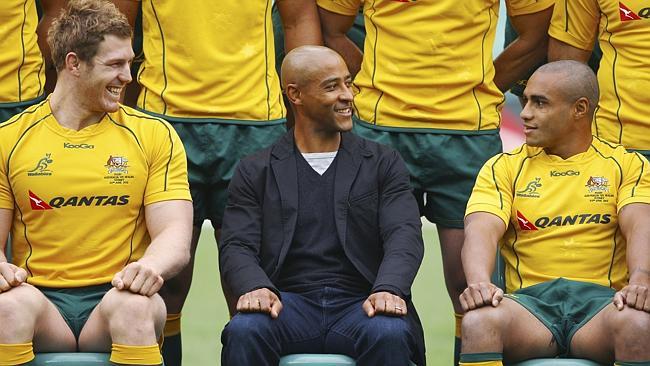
547 114
326 97
101 80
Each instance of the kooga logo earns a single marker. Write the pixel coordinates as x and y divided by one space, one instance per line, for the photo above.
568 173
68 145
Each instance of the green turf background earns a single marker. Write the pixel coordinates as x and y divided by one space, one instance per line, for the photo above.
205 312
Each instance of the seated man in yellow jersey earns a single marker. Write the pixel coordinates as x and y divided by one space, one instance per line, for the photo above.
570 213
96 198
622 29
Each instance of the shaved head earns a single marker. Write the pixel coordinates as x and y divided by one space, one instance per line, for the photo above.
301 63
575 80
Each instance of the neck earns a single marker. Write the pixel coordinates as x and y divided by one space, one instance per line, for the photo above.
567 150
68 111
310 141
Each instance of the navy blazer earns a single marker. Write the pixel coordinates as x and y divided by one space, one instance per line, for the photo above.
377 217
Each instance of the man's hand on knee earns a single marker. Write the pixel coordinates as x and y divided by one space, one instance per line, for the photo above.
634 296
139 279
384 303
479 294
11 276
261 300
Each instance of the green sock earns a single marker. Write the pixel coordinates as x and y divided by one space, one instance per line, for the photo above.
172 350
632 363
457 346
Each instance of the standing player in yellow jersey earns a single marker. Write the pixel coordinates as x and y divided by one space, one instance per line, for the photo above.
22 76
570 214
426 88
209 70
622 29
96 198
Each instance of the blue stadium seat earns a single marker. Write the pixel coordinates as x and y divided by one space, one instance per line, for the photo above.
71 359
316 359
557 362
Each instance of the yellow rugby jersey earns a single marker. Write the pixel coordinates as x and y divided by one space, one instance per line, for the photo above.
209 59
428 63
22 75
623 31
562 215
78 196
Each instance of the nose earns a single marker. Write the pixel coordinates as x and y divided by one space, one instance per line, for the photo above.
346 95
525 112
125 74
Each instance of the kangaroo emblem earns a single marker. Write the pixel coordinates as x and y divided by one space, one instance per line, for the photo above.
43 164
532 186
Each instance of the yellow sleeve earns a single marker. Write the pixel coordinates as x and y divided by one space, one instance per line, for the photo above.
492 191
575 22
522 7
635 184
6 197
343 7
167 167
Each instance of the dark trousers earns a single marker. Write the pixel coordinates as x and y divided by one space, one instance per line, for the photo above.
326 320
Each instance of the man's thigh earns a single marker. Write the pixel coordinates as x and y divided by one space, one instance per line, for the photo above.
299 328
50 331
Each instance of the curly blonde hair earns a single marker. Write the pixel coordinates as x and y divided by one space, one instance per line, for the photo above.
82 26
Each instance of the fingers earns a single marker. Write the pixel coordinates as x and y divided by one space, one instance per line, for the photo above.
260 301
384 303
368 308
480 294
619 300
497 297
11 276
634 296
138 279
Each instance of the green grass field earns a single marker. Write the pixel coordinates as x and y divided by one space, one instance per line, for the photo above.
205 312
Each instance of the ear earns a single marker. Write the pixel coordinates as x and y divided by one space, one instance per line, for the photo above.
293 94
581 108
72 63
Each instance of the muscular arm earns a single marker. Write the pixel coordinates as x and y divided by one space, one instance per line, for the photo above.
169 224
526 52
482 233
300 23
334 27
558 50
635 226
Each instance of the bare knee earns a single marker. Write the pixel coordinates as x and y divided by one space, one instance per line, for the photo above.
132 314
481 324
19 309
631 330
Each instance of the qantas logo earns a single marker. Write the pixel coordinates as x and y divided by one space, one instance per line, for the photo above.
579 219
76 201
524 223
37 203
628 14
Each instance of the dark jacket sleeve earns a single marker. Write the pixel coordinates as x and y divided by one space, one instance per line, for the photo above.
400 228
241 235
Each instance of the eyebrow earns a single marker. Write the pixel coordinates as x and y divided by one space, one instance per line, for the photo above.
335 79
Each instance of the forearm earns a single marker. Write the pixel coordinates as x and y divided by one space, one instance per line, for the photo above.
482 233
347 49
558 50
169 252
300 23
517 60
638 257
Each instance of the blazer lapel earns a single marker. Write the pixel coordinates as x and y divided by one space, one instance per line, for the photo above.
347 167
286 178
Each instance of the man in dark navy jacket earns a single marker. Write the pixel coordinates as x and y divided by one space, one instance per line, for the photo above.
321 235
